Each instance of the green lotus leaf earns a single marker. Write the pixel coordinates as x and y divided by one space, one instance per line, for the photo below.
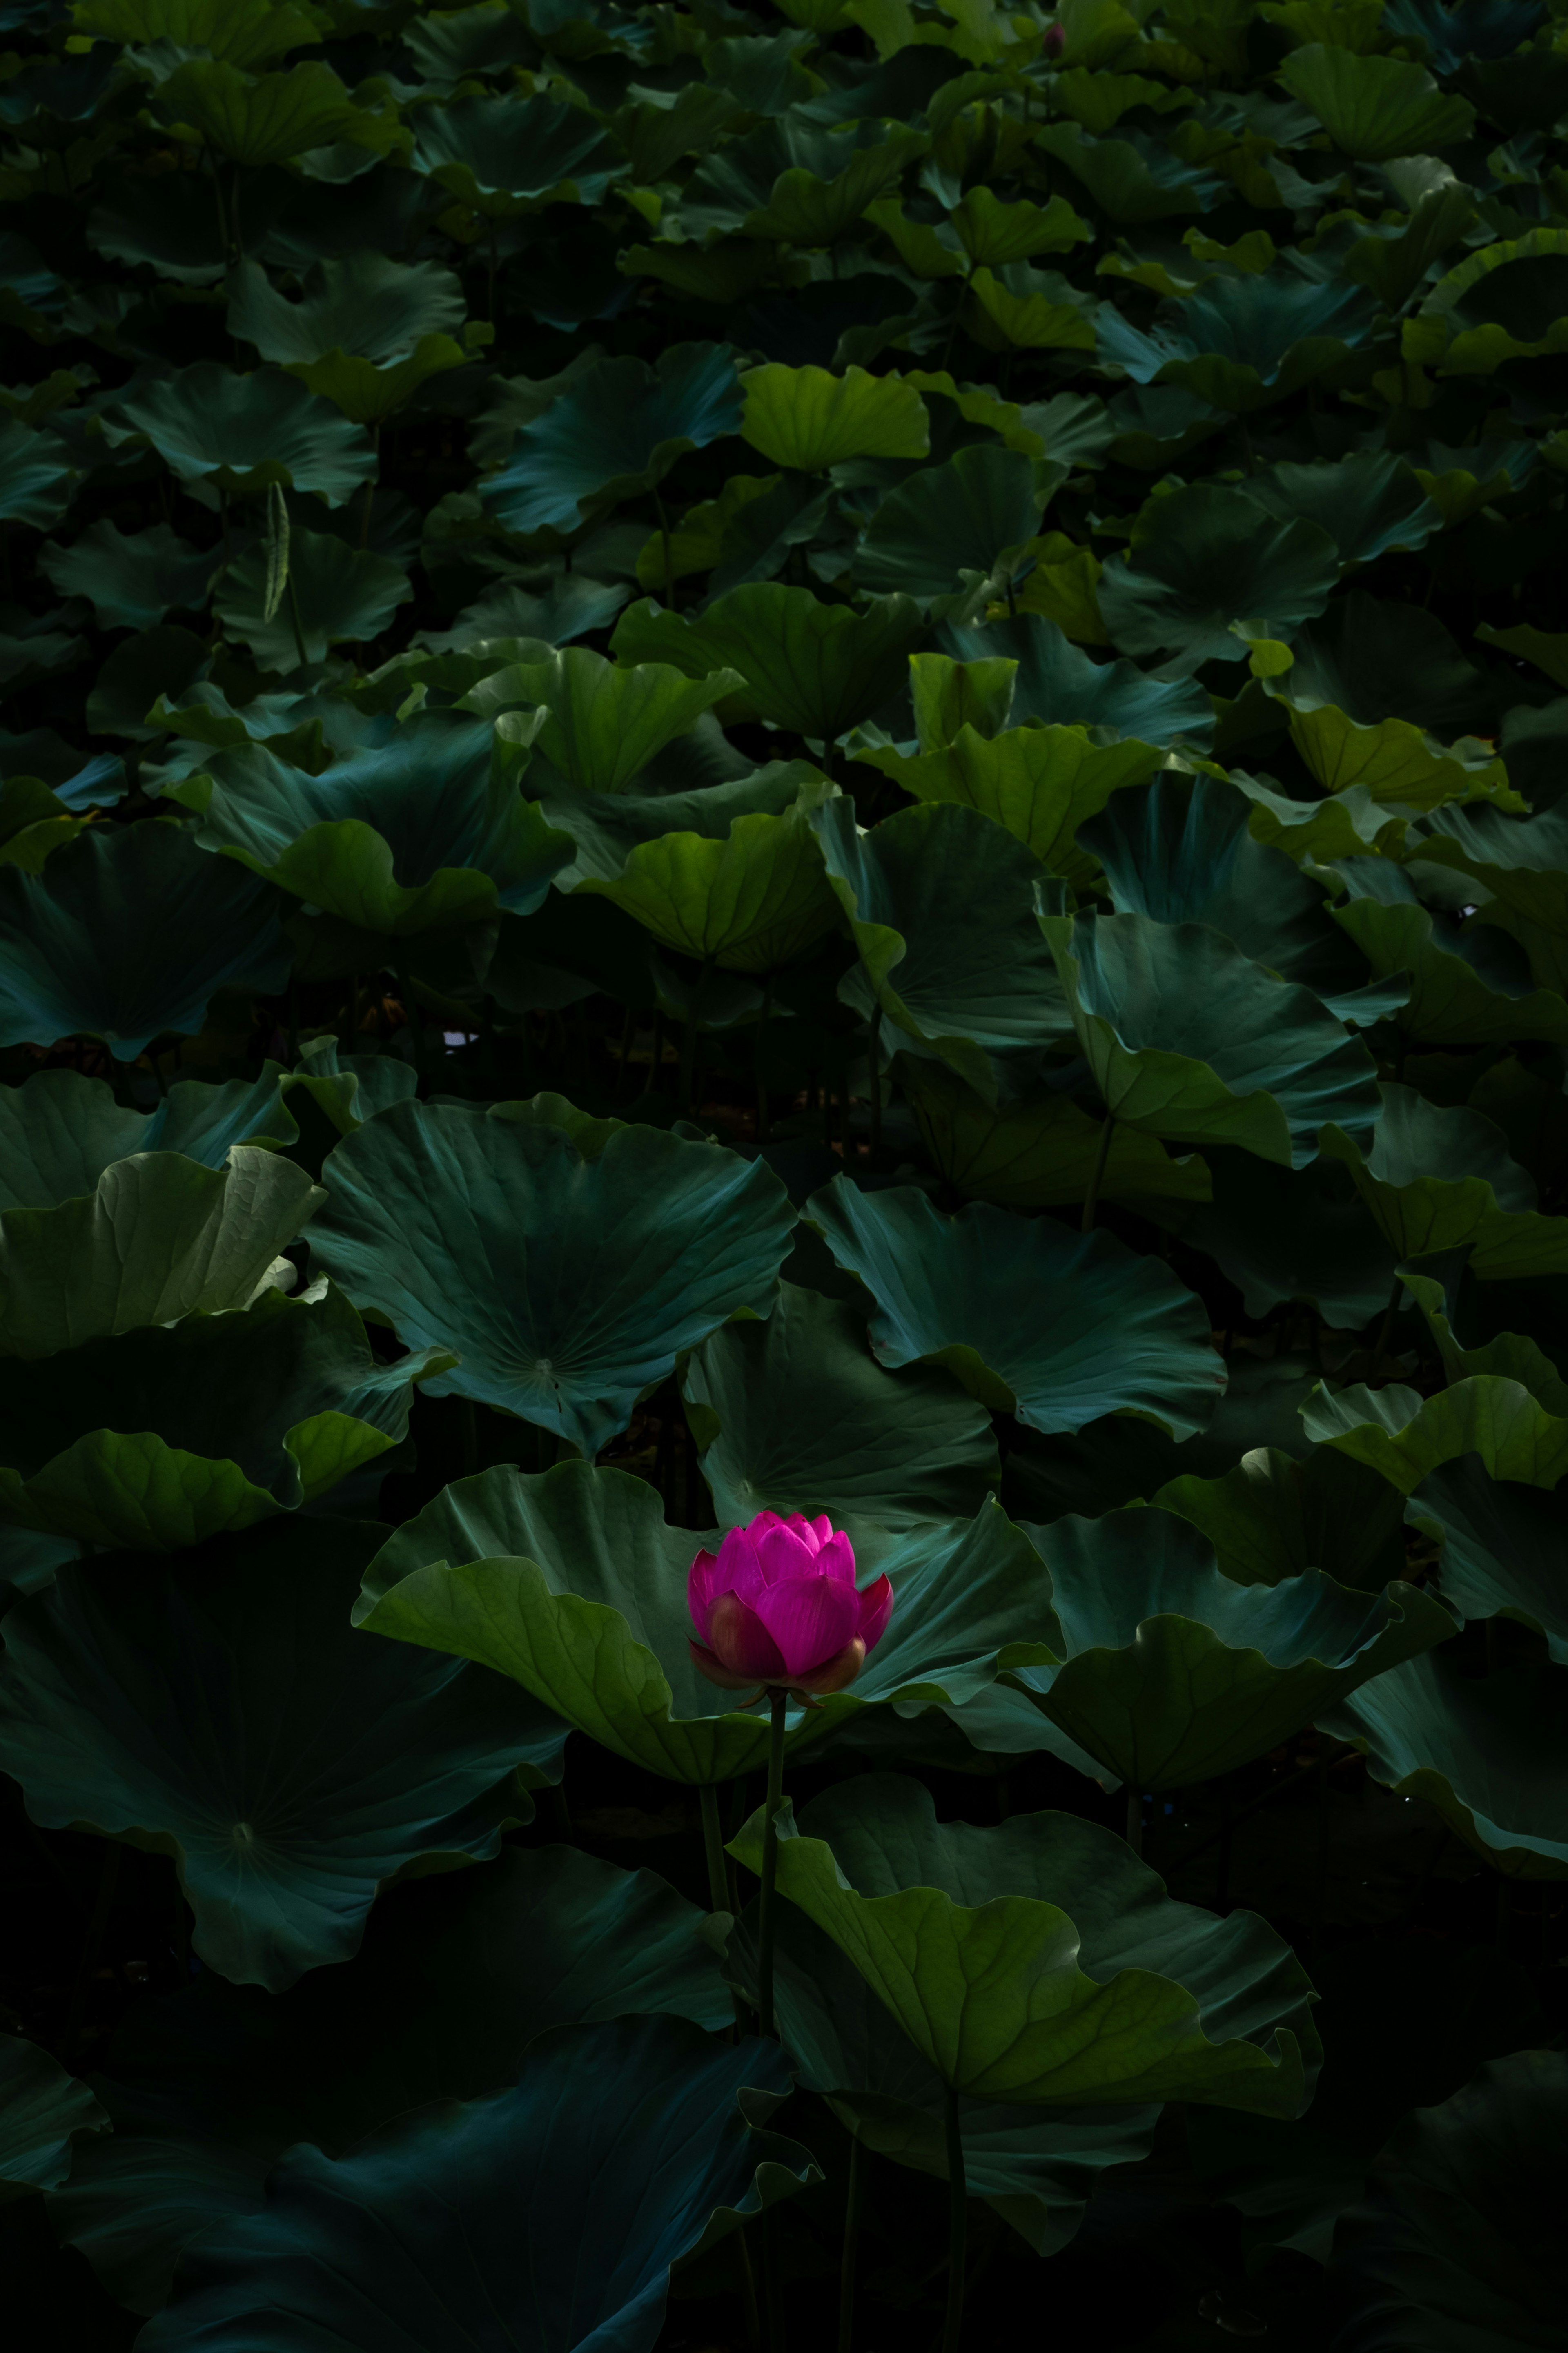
335 595
1241 343
571 1583
1449 2245
156 1438
1487 1752
569 607
244 32
1502 1544
1466 987
1037 2168
976 514
818 669
1405 1436
1271 1517
568 1281
365 333
221 1709
607 827
749 903
931 1913
1285 1233
159 1237
60 1131
534 2211
1203 557
1058 685
603 722
507 155
1040 1152
1375 109
1506 301
426 831
1523 861
796 1415
1173 1673
618 429
1394 762
1189 1039
1436 1180
125 935
804 182
1056 1327
238 433
207 2089
134 578
1179 850
1368 503
1133 178
267 118
809 419
1020 308
36 476
993 233
42 2109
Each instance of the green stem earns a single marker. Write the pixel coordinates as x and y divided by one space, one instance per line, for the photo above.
713 1848
664 544
1091 1198
957 2228
851 2248
293 1020
762 1121
1134 1817
411 1011
779 1701
689 1041
1385 1329
295 624
874 1061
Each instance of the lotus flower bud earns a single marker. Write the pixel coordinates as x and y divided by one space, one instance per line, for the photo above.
1054 42
778 1605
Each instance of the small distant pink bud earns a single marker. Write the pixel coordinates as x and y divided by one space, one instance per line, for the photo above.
777 1605
1054 42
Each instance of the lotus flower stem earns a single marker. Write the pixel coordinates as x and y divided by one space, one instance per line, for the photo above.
1134 1817
957 2228
874 1066
689 1041
410 1011
713 1848
778 1699
851 2248
1097 1176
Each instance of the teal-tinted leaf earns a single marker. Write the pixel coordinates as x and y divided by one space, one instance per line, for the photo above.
256 119
1374 108
1439 1179
1240 342
207 2089
1173 2003
35 484
334 595
973 514
555 611
1368 503
1175 1674
796 1415
59 1131
133 579
571 1583
222 1709
1487 1752
1271 1517
371 306
1402 1435
568 1282
238 433
42 2109
1189 1039
618 429
819 668
602 722
126 934
1133 178
1203 557
533 2211
1040 1152
1056 1327
1503 1547
507 154
1058 684
1467 987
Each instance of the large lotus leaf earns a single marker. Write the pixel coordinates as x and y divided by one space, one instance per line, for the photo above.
1450 2247
819 668
1180 850
1367 503
1373 660
975 514
238 433
1396 763
245 32
618 429
36 483
1018 308
1203 557
506 155
547 2214
1060 686
1036 2167
979 997
125 935
1405 1436
42 2109
365 332
1040 1152
1375 109
603 722
568 1281
749 903
809 419
1439 1180
335 595
206 2089
1467 986
1174 2004
221 1708
59 1131
1191 1040
1240 342
133 579
267 118
1506 301
160 1237
796 1415
1041 783
1504 1547
571 1582
1172 1672
1285 1233
606 827
1056 1327
1523 861
1486 1751
796 179
159 1438
1135 178
425 832
1272 1516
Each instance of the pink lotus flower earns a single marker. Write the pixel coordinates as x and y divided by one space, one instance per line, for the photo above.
777 1604
1054 42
